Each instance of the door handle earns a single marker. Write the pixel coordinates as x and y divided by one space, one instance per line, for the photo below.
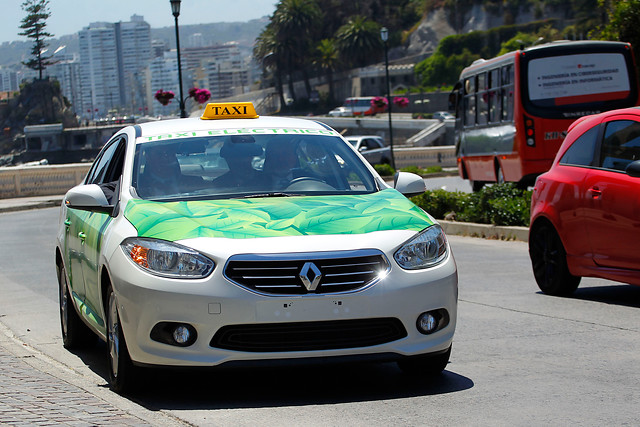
82 236
67 223
595 193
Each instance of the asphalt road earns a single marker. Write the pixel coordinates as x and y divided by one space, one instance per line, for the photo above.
519 357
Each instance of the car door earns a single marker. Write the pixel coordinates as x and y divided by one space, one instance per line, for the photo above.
612 198
369 148
107 174
75 238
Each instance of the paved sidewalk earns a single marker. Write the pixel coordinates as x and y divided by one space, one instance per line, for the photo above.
29 396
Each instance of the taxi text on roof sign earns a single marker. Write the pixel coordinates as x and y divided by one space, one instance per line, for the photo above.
229 110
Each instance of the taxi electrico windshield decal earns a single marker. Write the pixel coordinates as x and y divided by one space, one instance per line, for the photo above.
243 131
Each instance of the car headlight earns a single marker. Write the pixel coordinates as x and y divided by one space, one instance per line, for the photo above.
425 250
167 259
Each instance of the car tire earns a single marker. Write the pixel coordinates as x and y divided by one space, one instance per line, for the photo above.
75 334
549 262
425 365
121 369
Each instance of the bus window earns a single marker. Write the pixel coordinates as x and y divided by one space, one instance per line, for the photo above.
470 102
481 99
507 93
494 102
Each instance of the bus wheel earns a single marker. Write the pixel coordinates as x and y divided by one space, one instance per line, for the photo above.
476 186
549 262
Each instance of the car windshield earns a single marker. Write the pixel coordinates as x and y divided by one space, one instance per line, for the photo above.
260 165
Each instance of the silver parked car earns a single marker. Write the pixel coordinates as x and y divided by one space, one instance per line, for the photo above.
372 147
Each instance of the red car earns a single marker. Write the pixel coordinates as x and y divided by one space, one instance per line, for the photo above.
585 211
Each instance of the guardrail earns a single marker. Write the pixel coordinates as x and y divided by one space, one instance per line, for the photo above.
27 181
46 180
423 157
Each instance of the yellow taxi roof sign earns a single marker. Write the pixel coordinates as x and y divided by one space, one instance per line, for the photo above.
229 110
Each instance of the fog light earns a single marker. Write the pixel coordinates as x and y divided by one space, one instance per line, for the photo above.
432 321
427 323
178 334
181 334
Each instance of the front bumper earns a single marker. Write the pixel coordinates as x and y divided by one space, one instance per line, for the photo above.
215 302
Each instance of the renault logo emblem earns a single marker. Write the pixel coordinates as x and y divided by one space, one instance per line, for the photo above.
310 276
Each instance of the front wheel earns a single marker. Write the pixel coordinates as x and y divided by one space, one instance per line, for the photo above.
121 369
425 365
549 262
75 334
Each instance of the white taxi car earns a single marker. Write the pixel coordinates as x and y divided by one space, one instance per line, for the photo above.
238 238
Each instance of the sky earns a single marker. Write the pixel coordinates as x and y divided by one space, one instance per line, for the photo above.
70 16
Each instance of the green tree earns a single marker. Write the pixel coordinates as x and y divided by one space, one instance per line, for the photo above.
34 26
295 22
457 11
624 22
268 53
327 59
359 41
441 69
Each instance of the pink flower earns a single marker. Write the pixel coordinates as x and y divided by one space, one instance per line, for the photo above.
199 95
163 97
401 102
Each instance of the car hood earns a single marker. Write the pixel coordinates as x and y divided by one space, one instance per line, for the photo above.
276 217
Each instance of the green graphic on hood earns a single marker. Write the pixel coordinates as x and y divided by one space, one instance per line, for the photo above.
273 217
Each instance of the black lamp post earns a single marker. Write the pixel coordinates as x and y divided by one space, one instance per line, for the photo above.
384 35
175 9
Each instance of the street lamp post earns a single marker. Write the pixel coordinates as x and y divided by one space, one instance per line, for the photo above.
384 35
175 9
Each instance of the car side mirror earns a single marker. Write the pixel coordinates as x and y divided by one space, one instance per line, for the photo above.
633 169
89 197
409 184
362 149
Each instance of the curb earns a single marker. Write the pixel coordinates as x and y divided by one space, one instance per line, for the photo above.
486 231
14 205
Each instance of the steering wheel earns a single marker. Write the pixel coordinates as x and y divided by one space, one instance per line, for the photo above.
308 183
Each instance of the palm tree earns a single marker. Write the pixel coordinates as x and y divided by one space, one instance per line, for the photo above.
327 59
267 51
359 41
295 24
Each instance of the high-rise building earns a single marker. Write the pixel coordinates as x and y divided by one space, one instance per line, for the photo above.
113 57
8 80
219 68
66 70
226 78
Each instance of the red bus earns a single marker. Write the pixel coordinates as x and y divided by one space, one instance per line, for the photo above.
363 106
513 111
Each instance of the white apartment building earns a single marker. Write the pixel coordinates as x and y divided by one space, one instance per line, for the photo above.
113 57
219 68
8 80
66 70
226 78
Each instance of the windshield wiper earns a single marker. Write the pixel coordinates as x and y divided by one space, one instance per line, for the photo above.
270 194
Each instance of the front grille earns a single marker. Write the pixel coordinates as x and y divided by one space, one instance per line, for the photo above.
308 336
298 274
